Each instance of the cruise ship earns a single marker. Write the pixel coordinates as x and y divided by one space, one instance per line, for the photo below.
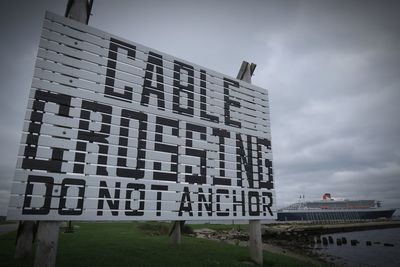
331 209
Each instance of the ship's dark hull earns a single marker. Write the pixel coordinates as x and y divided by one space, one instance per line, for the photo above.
333 215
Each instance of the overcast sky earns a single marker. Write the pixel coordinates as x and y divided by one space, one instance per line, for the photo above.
332 69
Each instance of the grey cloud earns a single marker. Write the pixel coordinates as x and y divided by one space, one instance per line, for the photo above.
334 88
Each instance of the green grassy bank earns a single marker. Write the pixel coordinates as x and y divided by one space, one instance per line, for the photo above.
139 244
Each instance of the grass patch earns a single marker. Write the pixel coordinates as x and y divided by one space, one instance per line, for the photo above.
154 228
130 244
161 228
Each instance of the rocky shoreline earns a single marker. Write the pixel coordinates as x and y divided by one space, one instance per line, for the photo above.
240 238
297 240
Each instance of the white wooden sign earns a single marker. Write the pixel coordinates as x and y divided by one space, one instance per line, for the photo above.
115 130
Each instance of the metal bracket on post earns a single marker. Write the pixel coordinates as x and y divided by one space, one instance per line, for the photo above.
255 240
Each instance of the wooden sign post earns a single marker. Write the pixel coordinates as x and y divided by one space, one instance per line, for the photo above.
25 236
255 238
47 234
175 234
47 242
48 231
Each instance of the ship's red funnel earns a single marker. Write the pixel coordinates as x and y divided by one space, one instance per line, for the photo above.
326 196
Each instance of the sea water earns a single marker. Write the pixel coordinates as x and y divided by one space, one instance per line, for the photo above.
379 253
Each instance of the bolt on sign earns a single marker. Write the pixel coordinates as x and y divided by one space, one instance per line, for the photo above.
115 130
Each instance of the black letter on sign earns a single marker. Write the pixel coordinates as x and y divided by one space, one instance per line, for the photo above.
268 164
33 180
203 99
159 196
41 99
200 153
239 202
111 68
185 198
104 193
154 60
207 203
226 193
66 183
222 134
183 88
269 205
85 134
242 160
129 211
123 170
161 123
251 195
229 102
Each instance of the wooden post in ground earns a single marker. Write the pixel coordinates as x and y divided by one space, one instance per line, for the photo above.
25 235
175 235
47 240
255 240
48 231
69 228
